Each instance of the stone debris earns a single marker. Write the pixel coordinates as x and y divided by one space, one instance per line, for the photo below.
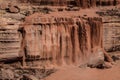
29 77
9 72
14 9
115 57
9 7
39 36
96 60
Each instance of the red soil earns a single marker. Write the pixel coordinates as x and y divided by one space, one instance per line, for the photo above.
75 73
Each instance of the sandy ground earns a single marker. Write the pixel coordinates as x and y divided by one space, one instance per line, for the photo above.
86 73
76 73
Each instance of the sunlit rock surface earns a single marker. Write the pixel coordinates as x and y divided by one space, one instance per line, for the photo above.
62 40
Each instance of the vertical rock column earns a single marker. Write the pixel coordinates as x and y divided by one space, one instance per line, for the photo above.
96 32
84 39
32 40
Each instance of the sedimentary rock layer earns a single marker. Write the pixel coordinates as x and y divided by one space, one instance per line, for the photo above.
62 40
10 41
81 3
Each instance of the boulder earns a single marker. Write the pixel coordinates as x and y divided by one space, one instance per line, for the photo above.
13 9
29 77
107 65
97 59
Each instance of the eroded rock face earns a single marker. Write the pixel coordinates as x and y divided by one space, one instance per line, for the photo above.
111 20
58 40
14 9
13 72
9 7
112 37
81 3
10 40
3 6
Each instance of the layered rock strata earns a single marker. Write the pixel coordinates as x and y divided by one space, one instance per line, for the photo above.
10 40
81 3
61 40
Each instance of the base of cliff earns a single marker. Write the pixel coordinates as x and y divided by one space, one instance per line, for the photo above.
86 73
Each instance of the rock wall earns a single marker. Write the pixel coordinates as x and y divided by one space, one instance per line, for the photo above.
81 3
111 20
112 37
10 41
58 40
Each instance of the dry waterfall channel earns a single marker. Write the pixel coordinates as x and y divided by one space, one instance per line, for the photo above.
42 41
72 37
63 40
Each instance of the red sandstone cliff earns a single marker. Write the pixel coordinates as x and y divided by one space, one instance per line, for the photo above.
80 3
58 40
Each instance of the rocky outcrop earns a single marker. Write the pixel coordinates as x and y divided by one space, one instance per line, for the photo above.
13 9
111 28
55 39
9 7
58 40
3 6
10 40
81 3
15 73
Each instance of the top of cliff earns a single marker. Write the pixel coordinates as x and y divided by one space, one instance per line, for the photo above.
17 11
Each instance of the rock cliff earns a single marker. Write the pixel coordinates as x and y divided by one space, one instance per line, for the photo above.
10 40
62 40
58 39
80 3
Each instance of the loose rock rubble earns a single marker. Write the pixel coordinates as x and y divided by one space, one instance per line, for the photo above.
13 9
10 72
